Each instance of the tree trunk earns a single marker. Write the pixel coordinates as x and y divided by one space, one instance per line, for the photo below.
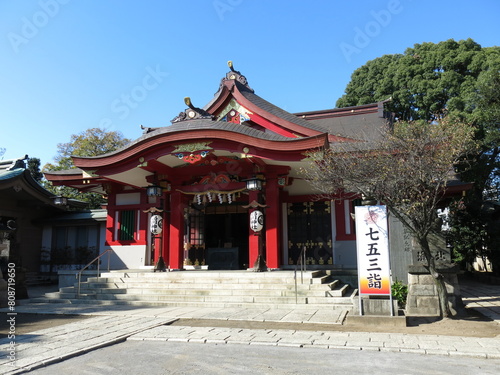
442 293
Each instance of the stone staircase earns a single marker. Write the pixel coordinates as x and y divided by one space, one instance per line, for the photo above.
211 289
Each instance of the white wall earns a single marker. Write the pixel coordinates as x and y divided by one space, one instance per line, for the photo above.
126 257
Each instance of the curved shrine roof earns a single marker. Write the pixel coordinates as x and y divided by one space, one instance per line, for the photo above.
236 119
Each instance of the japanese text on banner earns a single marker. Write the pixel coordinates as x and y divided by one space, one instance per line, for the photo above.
372 243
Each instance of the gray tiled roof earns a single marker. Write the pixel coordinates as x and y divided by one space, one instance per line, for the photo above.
13 163
87 215
277 111
73 171
205 124
363 127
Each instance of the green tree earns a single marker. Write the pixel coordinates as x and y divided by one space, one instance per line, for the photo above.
429 81
92 142
425 81
34 168
408 170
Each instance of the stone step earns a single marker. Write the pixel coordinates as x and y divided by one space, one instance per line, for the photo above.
221 299
301 305
191 298
199 298
205 286
214 274
72 295
347 299
210 289
207 280
338 292
212 292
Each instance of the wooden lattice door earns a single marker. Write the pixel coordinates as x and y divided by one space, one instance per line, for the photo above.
310 226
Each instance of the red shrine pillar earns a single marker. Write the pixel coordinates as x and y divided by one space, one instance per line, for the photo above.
166 230
110 219
272 223
176 234
253 237
157 248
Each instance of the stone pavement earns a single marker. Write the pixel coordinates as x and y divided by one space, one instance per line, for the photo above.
41 348
113 324
391 342
482 297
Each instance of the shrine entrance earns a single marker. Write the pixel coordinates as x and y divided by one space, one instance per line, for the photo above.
218 237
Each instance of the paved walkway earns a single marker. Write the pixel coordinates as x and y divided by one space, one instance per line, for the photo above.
41 348
112 324
484 298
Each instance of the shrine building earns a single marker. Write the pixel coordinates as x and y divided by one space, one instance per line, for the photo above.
211 168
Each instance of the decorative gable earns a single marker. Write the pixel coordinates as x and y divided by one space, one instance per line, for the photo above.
234 112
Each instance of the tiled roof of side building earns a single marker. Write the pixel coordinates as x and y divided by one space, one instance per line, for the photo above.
364 123
73 171
11 164
8 174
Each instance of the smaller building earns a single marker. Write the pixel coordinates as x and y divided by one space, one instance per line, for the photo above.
71 240
37 233
24 203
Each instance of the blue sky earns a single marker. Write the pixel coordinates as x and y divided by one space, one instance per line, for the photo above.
70 65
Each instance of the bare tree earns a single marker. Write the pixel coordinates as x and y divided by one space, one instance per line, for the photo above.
408 170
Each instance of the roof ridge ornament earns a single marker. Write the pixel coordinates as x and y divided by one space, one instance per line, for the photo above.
236 76
192 113
11 164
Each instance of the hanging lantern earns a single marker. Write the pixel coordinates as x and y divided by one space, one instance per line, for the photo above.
156 224
61 201
256 220
154 191
254 184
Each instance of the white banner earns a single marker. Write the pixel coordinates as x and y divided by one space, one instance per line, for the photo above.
372 243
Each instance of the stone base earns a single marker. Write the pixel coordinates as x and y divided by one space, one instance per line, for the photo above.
422 297
375 306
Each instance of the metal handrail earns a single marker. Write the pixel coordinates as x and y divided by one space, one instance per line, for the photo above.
79 275
302 262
